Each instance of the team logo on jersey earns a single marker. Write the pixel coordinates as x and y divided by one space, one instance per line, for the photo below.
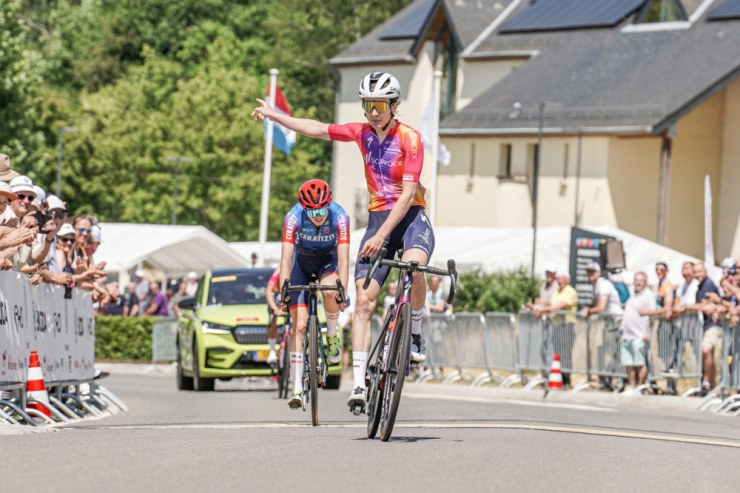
425 236
424 218
326 230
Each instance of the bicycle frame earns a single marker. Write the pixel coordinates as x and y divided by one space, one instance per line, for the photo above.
402 296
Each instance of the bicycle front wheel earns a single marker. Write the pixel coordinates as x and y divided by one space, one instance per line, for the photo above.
374 394
313 366
394 378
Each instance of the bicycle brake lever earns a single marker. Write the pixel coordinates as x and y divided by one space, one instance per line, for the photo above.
284 298
375 262
340 288
453 284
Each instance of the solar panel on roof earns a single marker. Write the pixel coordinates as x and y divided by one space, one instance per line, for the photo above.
728 10
548 15
410 23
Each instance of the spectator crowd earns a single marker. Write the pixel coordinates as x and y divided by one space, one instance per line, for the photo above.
697 293
39 238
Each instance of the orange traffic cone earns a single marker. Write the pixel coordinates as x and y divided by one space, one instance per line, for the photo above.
35 387
555 379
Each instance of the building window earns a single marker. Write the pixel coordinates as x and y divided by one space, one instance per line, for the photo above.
661 11
504 163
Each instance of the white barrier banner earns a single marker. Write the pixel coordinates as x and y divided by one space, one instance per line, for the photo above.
39 318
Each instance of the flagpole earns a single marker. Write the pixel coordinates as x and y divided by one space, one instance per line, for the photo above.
436 91
268 169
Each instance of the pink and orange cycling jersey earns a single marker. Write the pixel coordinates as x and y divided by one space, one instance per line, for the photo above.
389 163
275 280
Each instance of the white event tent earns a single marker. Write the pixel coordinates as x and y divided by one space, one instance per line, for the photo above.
175 250
504 249
245 249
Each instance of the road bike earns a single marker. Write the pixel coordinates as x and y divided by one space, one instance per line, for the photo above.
386 374
315 369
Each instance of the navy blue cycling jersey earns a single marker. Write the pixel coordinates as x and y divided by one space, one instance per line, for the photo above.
310 240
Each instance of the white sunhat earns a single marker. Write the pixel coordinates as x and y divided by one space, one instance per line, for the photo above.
551 267
96 234
66 229
40 195
22 184
593 266
5 190
562 272
140 273
192 275
54 202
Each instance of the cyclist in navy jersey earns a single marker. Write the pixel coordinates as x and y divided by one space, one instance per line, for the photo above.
315 241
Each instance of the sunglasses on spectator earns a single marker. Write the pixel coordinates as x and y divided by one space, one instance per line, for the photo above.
313 213
66 240
22 196
84 230
379 106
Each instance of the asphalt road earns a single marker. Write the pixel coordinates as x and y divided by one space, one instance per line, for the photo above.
245 439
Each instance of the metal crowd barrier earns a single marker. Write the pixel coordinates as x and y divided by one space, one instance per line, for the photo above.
721 400
164 342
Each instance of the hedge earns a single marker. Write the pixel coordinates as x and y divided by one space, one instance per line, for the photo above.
123 339
497 292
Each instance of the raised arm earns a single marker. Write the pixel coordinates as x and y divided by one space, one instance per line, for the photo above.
309 128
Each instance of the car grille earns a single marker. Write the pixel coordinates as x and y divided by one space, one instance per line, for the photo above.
251 334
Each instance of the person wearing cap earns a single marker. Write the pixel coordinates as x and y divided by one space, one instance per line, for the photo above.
22 187
44 246
11 237
6 174
634 331
549 287
192 284
564 299
58 213
65 240
606 298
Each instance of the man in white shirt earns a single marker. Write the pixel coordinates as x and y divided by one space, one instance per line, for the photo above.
634 331
606 297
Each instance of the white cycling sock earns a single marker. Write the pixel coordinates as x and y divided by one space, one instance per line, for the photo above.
271 343
416 317
359 366
296 370
331 323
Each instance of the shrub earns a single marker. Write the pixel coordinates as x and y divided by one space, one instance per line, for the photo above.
497 292
122 338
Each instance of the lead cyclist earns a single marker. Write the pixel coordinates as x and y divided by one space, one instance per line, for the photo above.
393 156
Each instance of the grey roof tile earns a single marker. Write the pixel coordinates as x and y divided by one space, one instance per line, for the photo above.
606 78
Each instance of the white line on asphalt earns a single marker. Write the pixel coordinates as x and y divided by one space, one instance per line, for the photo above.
486 426
561 405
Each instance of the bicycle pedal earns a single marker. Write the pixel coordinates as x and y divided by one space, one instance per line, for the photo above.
357 410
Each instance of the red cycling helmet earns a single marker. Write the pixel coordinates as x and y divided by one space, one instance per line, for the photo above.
314 194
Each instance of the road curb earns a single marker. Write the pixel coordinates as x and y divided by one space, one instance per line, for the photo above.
600 399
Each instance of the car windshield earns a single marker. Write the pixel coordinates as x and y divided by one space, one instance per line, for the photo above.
238 289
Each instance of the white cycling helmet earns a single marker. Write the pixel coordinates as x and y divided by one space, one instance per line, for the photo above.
385 86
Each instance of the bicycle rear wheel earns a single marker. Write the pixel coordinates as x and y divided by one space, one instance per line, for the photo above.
394 378
313 365
284 380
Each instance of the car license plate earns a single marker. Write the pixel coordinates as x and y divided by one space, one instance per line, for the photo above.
261 355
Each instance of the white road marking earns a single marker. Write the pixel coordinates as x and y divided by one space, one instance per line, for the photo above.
560 405
486 426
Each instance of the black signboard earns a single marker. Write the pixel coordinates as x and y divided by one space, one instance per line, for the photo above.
585 247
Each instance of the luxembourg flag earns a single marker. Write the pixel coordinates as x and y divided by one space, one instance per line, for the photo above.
282 138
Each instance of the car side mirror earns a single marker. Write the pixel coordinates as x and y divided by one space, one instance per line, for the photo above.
187 304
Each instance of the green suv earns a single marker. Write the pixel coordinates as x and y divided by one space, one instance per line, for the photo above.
223 330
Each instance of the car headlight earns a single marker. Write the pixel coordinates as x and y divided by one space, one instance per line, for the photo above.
212 328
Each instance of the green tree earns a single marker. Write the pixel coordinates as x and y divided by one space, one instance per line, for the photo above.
496 292
20 136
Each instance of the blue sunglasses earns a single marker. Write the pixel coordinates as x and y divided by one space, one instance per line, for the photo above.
313 213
